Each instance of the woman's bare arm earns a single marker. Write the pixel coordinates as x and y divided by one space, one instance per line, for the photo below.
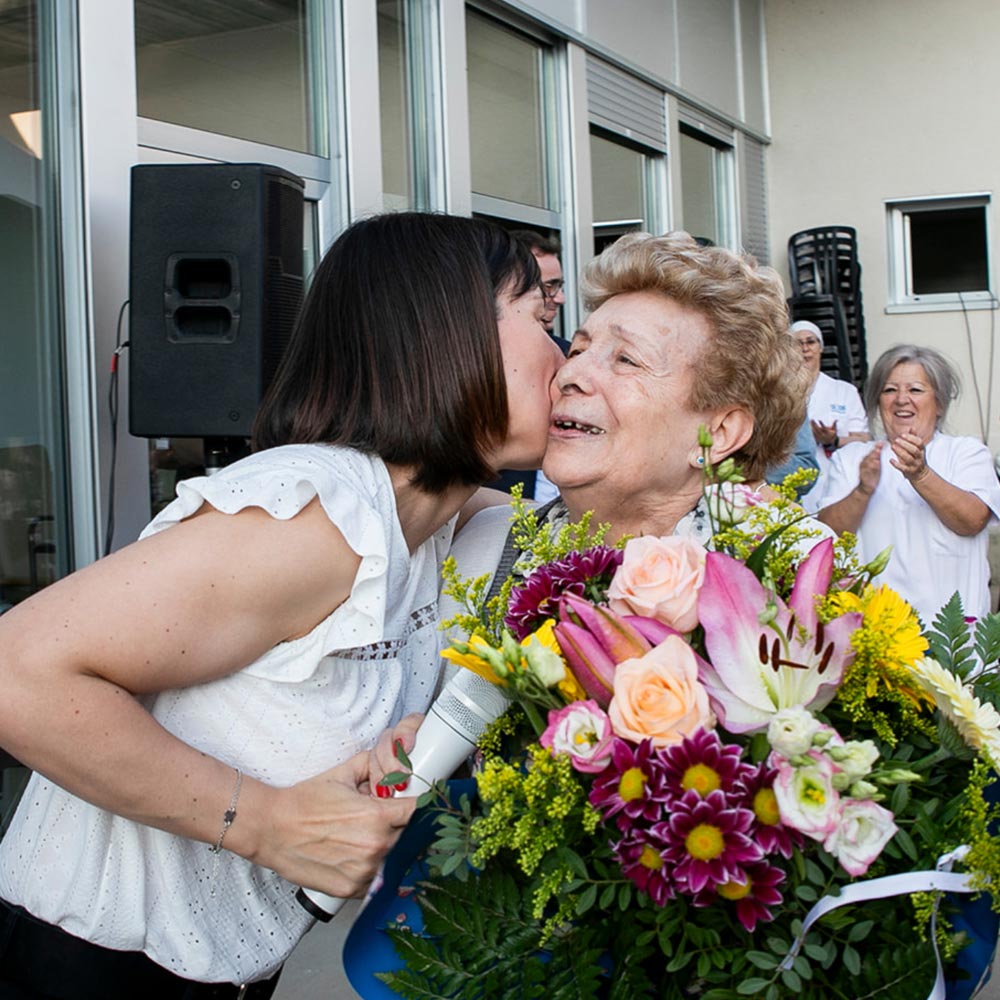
191 604
957 509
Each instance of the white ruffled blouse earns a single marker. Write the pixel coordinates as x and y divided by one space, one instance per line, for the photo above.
301 708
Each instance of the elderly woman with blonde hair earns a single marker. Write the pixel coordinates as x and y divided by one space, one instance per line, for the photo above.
680 336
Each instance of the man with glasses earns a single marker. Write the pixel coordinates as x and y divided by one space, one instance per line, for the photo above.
836 413
546 250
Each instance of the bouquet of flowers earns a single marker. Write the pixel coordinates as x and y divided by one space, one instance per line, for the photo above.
731 771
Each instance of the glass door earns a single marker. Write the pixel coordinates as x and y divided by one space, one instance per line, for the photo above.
34 514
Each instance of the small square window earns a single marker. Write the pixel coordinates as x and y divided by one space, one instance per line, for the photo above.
939 252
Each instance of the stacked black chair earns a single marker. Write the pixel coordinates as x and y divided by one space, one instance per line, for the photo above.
826 288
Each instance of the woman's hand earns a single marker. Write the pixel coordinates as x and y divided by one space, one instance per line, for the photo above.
382 757
908 451
957 509
824 434
846 514
870 471
326 833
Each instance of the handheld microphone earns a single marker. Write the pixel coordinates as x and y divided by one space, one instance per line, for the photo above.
461 713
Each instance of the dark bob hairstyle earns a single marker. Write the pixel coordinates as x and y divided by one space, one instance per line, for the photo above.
397 353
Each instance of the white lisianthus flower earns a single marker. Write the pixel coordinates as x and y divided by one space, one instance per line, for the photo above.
807 799
544 663
978 723
730 503
858 839
583 731
790 732
855 758
864 790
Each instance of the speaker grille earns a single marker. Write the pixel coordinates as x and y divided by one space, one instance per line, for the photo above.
216 284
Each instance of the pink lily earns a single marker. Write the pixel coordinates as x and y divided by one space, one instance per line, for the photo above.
650 628
794 659
594 641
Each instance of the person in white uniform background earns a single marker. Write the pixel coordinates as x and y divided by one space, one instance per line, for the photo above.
930 495
835 411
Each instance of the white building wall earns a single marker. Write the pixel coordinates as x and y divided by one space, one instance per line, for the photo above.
875 100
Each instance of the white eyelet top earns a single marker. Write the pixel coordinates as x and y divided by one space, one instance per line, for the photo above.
304 706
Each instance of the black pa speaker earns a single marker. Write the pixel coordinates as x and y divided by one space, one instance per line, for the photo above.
215 288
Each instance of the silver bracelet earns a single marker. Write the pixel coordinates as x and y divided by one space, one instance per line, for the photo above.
230 814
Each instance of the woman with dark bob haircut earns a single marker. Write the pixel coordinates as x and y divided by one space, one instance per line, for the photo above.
208 710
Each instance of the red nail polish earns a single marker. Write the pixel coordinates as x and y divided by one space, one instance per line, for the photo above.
401 786
383 791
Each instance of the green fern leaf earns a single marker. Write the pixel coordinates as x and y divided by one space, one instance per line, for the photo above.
987 640
949 637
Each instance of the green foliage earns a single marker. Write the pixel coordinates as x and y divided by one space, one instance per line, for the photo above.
796 483
538 544
970 649
470 595
526 897
950 638
480 942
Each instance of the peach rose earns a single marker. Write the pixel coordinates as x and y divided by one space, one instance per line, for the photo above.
658 696
660 578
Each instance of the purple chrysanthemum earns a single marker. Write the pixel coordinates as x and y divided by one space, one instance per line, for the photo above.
702 763
754 893
586 574
709 842
535 600
758 796
640 854
632 787
594 567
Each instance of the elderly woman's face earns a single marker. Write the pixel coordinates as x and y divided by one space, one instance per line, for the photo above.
811 347
907 402
620 414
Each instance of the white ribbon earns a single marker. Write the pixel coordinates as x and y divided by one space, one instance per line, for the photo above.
942 879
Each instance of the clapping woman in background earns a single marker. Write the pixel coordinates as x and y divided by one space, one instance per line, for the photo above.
929 494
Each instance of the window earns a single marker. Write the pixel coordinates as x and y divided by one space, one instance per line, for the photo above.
395 110
628 153
707 200
238 69
40 255
624 181
409 65
507 119
939 252
34 492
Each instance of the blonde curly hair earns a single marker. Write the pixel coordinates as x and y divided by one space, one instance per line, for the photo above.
750 361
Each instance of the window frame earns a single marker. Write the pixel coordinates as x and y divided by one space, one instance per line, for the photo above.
723 159
654 189
323 173
899 255
552 77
